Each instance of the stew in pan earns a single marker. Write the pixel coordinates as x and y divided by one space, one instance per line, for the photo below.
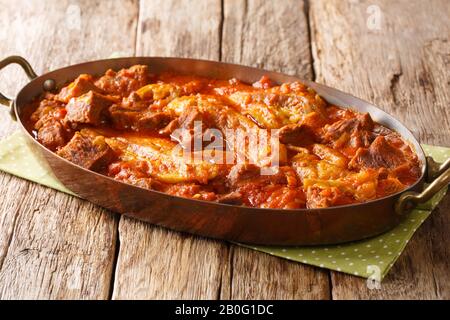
259 145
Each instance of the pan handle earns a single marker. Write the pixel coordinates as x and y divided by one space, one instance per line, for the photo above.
441 175
435 169
25 66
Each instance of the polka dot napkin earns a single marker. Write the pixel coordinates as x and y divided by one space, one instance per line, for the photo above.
368 258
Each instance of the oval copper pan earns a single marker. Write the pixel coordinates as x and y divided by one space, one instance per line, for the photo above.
210 219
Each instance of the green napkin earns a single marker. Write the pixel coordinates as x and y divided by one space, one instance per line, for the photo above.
18 159
368 258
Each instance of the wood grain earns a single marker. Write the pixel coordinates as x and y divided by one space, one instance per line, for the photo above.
154 262
56 246
53 245
271 35
404 68
179 28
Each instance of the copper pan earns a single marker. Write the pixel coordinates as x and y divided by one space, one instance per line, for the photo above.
210 219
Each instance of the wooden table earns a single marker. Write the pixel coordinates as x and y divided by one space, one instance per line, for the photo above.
393 53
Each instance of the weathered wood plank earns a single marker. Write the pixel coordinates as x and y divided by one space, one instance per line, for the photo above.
183 29
154 262
53 245
271 35
404 68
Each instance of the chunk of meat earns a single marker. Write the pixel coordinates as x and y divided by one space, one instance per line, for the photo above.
360 121
355 132
380 154
234 197
137 120
315 121
83 84
323 198
52 135
135 102
242 173
51 132
89 152
296 134
185 121
330 155
305 164
135 113
133 172
125 81
191 190
195 130
272 196
379 130
47 109
245 173
89 108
